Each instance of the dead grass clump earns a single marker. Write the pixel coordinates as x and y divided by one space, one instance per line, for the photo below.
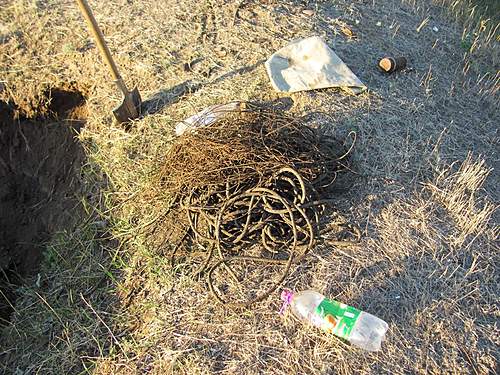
457 191
249 147
249 189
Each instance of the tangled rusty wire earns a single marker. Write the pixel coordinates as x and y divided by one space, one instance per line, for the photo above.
249 191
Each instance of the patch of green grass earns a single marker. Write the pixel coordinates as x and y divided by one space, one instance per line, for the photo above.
466 43
480 19
64 306
490 8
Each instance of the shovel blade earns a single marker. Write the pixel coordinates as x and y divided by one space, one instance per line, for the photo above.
130 108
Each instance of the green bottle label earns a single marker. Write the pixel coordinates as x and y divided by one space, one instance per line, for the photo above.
336 317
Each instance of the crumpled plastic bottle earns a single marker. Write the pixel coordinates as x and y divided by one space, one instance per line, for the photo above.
361 329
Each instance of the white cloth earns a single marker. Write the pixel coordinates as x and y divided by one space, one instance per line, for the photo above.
309 64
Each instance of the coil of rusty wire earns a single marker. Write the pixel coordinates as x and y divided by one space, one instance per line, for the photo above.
250 191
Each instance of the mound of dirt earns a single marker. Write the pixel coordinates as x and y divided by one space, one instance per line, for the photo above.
40 163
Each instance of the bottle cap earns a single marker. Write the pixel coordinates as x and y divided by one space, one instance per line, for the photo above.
286 297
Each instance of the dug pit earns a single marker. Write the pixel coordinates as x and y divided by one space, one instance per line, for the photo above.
40 160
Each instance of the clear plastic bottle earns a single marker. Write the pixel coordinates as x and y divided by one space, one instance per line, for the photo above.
358 327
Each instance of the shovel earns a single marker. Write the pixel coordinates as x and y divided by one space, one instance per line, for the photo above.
130 107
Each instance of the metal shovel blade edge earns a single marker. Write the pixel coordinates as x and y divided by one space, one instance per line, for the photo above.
130 108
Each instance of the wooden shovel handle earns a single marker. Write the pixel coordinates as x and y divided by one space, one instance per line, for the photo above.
101 43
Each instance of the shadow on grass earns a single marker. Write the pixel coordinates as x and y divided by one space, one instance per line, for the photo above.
166 97
58 261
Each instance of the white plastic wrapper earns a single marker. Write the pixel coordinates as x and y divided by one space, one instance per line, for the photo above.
206 117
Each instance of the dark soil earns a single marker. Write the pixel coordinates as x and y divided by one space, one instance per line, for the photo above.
40 162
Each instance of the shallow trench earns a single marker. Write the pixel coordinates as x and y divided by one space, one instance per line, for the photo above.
40 160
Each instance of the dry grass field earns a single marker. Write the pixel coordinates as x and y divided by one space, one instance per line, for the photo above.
84 291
